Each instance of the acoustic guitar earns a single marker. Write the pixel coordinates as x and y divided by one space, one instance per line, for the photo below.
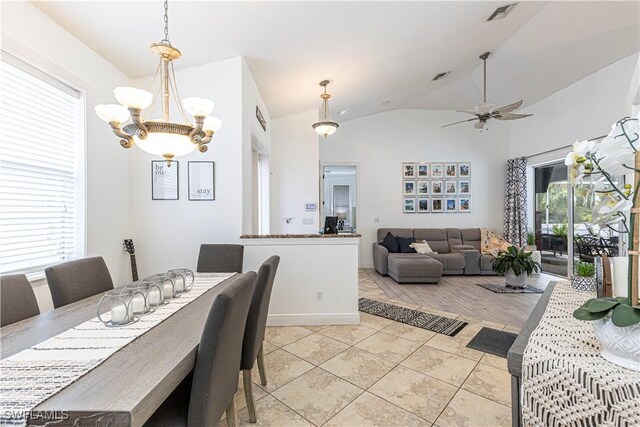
131 250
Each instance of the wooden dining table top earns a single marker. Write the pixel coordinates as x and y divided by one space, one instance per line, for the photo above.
127 387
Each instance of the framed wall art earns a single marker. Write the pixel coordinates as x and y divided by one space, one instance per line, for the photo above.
409 170
423 205
450 188
423 170
164 180
437 205
464 170
409 188
436 188
437 170
451 204
423 188
464 187
201 181
451 170
464 204
409 205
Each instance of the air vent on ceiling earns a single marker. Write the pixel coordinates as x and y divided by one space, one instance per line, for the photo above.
440 76
501 12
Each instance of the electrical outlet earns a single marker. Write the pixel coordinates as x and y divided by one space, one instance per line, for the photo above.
319 296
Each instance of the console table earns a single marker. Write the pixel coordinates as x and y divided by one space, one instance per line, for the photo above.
559 377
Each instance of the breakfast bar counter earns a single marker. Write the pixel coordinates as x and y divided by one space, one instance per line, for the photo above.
317 279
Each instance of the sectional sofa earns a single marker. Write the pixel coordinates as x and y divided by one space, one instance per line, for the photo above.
457 253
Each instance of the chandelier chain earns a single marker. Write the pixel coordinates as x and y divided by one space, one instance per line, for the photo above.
166 22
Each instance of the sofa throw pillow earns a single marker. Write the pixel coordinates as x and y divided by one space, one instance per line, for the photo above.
391 243
422 247
405 244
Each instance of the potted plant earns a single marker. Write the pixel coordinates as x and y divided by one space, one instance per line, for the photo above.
583 278
515 265
617 326
616 206
531 242
560 229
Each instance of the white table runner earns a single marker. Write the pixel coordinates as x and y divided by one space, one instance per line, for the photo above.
33 375
565 381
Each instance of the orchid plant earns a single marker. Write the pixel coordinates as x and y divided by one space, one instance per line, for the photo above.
599 164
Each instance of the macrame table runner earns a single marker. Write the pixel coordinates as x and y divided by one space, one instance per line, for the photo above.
565 381
33 375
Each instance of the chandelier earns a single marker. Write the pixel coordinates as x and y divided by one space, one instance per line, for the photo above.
161 137
325 126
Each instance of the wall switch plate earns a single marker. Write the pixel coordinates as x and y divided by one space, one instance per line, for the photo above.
307 221
376 220
319 296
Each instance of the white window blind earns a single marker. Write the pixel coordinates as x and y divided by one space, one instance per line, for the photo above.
341 200
41 159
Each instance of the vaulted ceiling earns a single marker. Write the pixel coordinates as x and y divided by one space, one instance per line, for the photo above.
371 51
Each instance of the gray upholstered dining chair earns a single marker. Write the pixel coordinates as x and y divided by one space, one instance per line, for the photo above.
75 280
17 299
202 398
220 259
254 332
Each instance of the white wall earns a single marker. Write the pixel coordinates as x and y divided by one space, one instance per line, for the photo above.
586 109
35 36
381 142
295 173
168 233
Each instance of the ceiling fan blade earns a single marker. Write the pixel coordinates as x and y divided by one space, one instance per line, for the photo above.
475 113
510 116
509 108
461 121
479 125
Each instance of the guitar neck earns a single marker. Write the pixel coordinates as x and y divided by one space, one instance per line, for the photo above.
134 267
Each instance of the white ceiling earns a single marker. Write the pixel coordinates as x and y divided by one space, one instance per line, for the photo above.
371 51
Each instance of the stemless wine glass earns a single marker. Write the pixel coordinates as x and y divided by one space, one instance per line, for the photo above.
124 306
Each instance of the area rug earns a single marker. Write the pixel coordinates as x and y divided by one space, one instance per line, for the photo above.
502 289
493 341
419 319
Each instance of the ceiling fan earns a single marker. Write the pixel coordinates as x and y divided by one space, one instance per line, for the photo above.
487 110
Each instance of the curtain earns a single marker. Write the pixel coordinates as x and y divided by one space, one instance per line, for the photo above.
515 202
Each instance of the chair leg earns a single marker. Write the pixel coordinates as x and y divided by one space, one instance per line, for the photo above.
263 373
248 394
232 421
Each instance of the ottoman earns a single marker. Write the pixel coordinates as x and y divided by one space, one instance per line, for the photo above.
415 270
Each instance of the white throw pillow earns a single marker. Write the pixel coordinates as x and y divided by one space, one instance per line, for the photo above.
422 247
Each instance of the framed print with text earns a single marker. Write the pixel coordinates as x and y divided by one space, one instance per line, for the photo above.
201 181
164 180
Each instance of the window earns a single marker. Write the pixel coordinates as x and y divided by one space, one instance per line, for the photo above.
341 200
41 169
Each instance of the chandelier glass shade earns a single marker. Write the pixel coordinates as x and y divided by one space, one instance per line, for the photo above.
325 126
161 137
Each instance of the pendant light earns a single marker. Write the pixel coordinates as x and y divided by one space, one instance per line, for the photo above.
325 126
161 137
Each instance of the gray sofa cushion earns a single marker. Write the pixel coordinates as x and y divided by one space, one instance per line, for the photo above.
398 232
471 236
485 262
415 270
414 255
436 237
450 261
454 236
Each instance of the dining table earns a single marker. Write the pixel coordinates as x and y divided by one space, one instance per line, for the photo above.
127 387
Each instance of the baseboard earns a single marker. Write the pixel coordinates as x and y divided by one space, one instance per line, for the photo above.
368 264
313 319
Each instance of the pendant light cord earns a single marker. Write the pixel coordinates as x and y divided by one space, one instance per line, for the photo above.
166 23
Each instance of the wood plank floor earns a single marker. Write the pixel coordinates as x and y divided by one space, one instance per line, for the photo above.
460 295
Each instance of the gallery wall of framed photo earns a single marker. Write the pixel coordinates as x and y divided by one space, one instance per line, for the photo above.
436 187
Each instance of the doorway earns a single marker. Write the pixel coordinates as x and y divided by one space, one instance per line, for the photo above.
338 195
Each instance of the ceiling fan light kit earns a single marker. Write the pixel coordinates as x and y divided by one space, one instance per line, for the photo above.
325 126
487 110
161 137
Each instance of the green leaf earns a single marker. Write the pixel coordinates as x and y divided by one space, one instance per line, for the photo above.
600 305
625 315
584 314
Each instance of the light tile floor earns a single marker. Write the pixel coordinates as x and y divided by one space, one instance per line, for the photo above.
379 373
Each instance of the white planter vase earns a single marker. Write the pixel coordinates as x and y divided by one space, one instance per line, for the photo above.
515 281
620 346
